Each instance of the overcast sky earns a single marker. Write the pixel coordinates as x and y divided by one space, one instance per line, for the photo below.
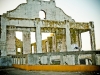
80 10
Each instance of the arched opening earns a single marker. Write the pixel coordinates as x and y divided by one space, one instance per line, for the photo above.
42 14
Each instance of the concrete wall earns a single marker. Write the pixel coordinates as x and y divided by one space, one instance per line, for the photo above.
31 10
11 49
97 59
5 61
34 59
69 60
27 15
59 58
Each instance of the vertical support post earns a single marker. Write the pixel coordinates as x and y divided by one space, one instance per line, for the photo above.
77 37
63 49
76 59
22 60
26 42
17 60
0 53
31 49
68 39
94 59
92 36
3 38
48 59
13 60
38 35
92 41
49 41
61 60
26 59
80 41
54 42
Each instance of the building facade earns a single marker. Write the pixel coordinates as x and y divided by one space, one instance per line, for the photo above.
66 32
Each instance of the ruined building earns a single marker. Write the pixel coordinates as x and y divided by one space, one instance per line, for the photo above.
56 49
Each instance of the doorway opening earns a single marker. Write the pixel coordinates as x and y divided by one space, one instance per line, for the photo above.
86 41
33 43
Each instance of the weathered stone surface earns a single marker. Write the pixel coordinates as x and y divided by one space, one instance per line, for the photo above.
33 59
5 61
66 31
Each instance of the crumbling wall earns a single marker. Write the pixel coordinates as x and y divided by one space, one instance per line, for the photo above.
11 49
31 10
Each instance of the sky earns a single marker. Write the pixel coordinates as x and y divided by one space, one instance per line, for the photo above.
79 10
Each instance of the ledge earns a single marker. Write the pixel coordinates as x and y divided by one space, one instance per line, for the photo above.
59 68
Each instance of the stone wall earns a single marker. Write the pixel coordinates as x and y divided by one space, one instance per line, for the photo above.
5 61
31 10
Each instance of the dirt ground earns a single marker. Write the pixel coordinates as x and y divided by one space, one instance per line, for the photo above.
13 71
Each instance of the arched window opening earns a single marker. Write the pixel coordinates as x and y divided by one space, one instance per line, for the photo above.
42 15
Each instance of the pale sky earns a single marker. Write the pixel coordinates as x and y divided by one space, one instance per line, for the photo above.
79 10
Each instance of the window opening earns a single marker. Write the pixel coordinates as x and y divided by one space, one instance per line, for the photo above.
42 15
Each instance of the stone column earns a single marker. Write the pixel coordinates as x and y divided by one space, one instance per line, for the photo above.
61 60
26 42
68 39
63 49
80 41
92 36
92 41
44 48
54 42
3 37
77 37
76 59
38 35
49 40
48 59
11 48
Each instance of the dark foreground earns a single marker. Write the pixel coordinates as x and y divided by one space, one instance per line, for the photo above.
13 71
